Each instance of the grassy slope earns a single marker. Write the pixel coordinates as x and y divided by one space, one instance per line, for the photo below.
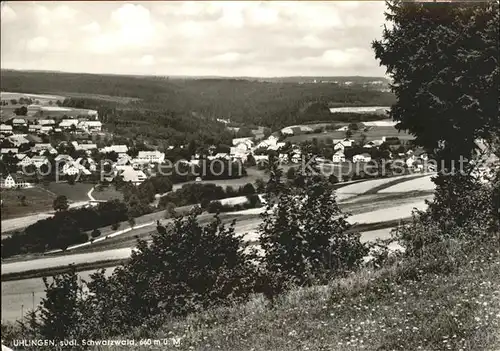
370 311
37 200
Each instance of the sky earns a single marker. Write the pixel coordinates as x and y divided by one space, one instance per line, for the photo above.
195 38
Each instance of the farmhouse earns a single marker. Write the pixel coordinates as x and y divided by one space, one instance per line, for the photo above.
68 123
46 129
151 156
119 149
362 158
86 147
341 144
39 161
90 126
41 148
24 161
46 122
243 144
131 175
19 122
123 160
34 128
373 143
18 140
5 129
13 181
74 168
338 157
9 150
92 166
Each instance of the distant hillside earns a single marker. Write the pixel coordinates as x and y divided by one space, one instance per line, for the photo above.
272 103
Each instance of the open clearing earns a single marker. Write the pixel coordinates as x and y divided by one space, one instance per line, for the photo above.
374 133
252 175
75 192
107 193
42 97
110 98
36 200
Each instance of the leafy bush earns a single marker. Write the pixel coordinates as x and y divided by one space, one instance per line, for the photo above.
215 207
305 237
95 233
187 267
115 226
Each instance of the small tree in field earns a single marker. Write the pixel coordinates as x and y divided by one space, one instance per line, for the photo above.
170 211
131 222
95 233
61 203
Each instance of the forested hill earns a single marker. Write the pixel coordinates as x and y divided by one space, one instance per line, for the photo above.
271 104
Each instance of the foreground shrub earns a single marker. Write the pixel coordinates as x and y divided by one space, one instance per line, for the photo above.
187 267
305 235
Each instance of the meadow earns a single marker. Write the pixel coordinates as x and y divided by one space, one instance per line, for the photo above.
35 200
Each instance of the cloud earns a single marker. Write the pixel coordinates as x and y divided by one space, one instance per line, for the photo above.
37 44
147 60
228 57
64 12
7 14
201 37
92 28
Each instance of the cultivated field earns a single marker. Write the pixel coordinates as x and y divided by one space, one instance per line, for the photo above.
110 98
374 133
42 98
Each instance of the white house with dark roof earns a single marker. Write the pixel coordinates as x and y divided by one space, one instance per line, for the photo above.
9 150
24 161
18 139
151 156
338 157
364 157
39 161
373 143
46 129
5 129
19 122
68 123
34 128
90 126
129 174
119 149
46 122
13 181
41 148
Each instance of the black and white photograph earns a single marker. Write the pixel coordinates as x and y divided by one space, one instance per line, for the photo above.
250 175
